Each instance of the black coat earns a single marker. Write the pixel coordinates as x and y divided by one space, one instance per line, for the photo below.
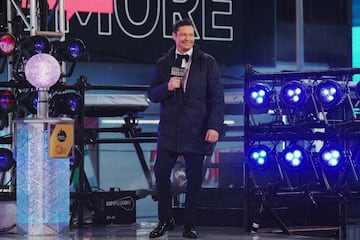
185 117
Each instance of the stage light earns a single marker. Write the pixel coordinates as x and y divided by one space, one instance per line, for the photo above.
329 93
258 95
294 94
259 156
7 101
30 101
34 45
6 159
70 50
65 103
7 105
7 44
294 156
332 156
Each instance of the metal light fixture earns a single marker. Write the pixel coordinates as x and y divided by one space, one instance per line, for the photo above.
28 99
33 45
70 50
65 104
294 94
7 101
6 159
259 156
7 48
332 156
258 96
7 44
329 93
7 105
294 156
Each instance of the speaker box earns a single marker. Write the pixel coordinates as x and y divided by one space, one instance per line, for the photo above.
114 207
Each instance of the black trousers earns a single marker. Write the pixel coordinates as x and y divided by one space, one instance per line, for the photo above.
165 161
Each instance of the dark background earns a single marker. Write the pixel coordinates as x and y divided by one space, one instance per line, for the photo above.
264 32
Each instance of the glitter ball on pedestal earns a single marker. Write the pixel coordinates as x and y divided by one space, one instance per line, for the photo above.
42 70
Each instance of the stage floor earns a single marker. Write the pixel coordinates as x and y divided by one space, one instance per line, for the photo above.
140 231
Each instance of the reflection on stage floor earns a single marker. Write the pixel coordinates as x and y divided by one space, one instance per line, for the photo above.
140 231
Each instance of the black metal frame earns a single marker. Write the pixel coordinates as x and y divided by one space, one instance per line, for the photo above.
289 132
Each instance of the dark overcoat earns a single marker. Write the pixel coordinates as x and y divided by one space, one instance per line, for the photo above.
185 117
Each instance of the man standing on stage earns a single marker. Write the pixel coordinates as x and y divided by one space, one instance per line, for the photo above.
187 84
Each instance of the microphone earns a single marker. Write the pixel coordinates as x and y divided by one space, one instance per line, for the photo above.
177 71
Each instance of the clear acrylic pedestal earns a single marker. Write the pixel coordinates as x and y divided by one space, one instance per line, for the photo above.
42 183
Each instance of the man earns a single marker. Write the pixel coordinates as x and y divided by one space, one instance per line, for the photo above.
191 95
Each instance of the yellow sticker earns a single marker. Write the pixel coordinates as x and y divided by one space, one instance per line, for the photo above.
61 140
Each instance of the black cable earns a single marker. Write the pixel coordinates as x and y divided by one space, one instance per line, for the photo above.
6 229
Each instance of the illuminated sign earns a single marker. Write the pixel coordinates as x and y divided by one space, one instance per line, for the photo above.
71 6
141 31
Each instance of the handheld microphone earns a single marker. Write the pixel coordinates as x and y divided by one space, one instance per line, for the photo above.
177 71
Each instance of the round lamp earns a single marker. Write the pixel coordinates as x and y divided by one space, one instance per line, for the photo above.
7 44
329 93
293 94
258 95
42 70
294 157
259 156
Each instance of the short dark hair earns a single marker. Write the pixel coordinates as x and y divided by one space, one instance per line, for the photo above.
182 22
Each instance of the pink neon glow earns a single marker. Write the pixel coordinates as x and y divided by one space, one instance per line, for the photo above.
72 6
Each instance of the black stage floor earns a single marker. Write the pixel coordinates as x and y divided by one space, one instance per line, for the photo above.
140 231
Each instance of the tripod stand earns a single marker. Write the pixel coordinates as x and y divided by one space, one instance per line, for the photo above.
266 195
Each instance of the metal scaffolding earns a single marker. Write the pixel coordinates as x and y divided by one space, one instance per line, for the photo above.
34 21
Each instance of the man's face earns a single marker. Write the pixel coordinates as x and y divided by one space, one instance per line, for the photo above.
184 38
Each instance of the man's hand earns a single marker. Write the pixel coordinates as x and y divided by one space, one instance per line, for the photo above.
212 136
174 83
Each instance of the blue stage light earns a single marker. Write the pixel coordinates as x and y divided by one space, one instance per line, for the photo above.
34 45
258 95
293 94
332 156
294 156
65 104
329 93
30 100
6 159
40 46
7 101
259 156
70 50
76 49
